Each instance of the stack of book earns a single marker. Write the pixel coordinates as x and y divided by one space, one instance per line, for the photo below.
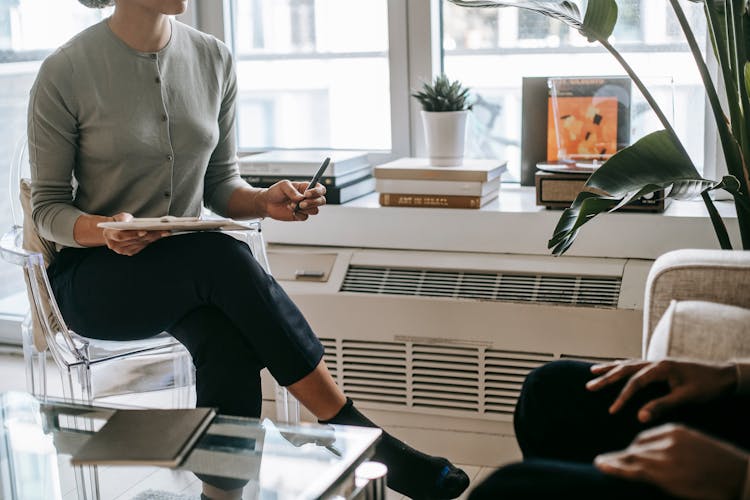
348 176
413 182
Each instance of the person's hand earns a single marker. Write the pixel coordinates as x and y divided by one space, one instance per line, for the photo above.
682 462
285 200
689 382
126 242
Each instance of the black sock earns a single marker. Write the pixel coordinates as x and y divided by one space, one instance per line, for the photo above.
410 472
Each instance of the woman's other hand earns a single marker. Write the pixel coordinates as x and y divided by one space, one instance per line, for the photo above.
689 382
682 462
289 201
126 242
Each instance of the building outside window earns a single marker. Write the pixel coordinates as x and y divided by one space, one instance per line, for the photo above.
491 50
29 30
312 73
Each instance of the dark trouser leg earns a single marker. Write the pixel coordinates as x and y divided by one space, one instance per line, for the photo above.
561 427
227 371
558 418
540 479
113 297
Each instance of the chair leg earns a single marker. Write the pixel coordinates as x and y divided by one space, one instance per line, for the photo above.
87 482
287 407
184 381
36 365
36 373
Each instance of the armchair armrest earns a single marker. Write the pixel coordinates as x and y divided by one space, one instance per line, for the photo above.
701 330
720 276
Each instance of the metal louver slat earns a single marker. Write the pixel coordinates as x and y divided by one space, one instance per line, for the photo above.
575 291
374 371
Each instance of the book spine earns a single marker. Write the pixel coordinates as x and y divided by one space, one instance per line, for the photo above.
270 180
433 175
429 200
456 188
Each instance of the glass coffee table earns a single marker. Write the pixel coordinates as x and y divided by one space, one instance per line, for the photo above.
236 457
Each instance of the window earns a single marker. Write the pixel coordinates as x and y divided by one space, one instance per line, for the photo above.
312 73
491 50
29 30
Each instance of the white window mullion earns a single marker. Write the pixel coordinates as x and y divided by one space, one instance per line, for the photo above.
398 62
209 17
425 59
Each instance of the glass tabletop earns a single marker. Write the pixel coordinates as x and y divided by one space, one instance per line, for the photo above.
240 457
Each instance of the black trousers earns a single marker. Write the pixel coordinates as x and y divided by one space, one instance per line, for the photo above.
561 426
206 290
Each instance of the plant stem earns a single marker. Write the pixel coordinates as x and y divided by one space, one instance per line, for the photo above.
732 148
719 228
646 94
729 142
720 46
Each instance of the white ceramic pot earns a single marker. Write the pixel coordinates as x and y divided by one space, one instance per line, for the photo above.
445 132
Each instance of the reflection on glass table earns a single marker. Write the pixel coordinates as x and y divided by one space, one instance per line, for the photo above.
236 458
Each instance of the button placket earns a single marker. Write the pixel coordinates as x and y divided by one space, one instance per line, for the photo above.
164 117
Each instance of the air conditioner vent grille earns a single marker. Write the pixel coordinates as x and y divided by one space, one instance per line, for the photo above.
445 377
374 371
505 372
472 380
581 291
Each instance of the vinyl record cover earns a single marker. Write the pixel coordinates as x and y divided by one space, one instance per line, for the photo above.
587 118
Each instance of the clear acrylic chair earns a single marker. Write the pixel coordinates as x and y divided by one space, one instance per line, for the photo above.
93 369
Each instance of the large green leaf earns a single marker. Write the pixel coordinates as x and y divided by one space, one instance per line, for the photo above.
600 19
597 24
653 163
585 207
656 159
565 11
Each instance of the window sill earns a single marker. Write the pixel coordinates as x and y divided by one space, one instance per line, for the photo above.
512 224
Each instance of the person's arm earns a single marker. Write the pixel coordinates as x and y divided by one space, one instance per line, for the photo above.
689 382
53 138
224 190
682 462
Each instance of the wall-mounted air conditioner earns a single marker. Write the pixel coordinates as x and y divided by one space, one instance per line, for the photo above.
431 342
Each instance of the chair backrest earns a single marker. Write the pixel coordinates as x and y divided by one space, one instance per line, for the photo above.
23 246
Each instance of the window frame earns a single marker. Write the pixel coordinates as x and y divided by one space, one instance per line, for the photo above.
415 56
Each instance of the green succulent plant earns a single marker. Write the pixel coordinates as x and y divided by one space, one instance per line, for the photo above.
443 95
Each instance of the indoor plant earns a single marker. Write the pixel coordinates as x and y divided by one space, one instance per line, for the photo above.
659 160
445 107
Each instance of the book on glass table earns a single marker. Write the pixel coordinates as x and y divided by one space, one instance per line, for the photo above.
145 437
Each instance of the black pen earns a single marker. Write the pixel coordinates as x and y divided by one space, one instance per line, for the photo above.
314 181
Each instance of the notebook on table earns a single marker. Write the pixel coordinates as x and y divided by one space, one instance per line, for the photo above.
145 437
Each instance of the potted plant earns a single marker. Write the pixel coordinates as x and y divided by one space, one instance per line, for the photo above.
659 160
445 107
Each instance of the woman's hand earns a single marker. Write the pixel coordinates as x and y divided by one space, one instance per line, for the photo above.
681 461
127 242
689 382
285 200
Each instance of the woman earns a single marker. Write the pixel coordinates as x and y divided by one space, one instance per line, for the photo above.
140 110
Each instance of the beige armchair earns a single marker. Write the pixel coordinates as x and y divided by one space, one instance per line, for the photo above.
697 305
